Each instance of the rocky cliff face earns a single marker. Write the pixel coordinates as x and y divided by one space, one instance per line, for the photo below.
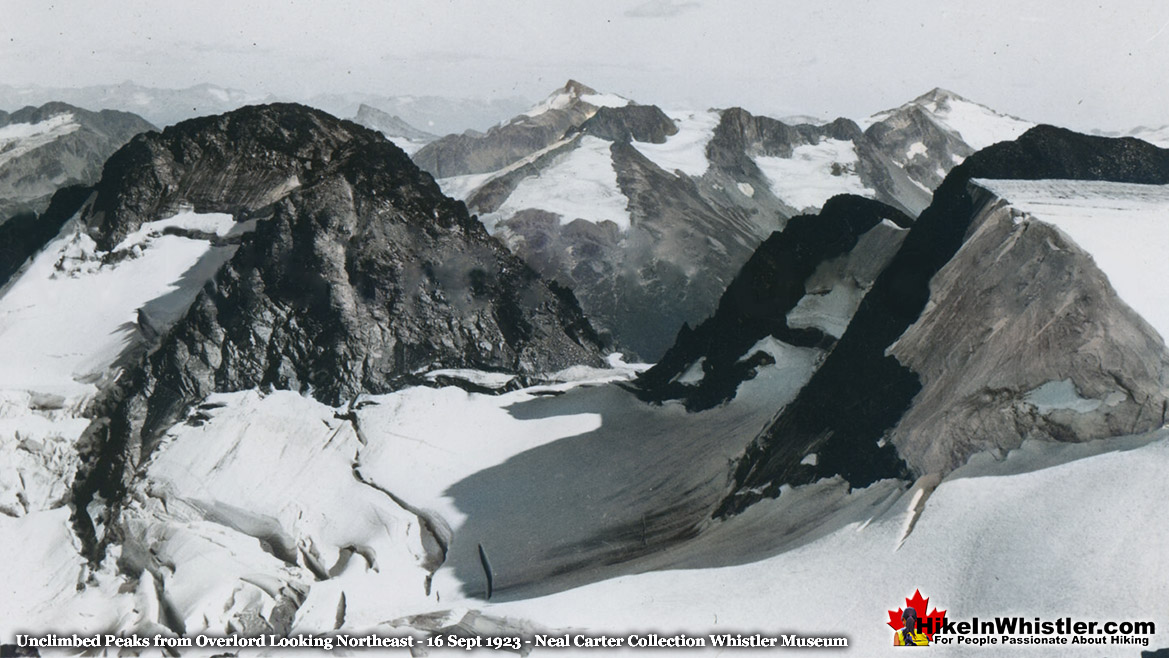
800 287
976 324
357 275
1038 345
55 145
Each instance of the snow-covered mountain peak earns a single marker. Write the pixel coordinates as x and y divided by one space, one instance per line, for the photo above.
939 95
574 92
975 124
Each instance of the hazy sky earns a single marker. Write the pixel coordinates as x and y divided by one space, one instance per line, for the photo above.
1079 64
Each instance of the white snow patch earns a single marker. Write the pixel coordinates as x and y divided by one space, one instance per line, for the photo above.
461 187
1123 226
692 375
685 150
479 377
977 125
814 173
830 312
1062 394
915 149
284 470
60 347
43 571
580 184
810 459
563 98
422 441
219 224
605 100
746 189
408 146
16 139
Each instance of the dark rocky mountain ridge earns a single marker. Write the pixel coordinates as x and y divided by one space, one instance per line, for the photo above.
359 275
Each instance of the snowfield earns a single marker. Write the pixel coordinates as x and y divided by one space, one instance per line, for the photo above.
66 322
977 125
685 150
581 184
64 347
348 519
16 139
1122 226
563 98
814 173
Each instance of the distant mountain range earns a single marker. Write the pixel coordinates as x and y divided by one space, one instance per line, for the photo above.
647 215
164 107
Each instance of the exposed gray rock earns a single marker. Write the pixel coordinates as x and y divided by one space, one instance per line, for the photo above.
643 283
918 138
951 349
741 136
992 336
800 287
689 235
642 123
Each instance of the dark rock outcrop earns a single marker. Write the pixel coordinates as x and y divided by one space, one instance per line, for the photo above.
642 123
359 276
759 300
27 233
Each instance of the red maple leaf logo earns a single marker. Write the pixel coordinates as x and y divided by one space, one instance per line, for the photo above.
930 623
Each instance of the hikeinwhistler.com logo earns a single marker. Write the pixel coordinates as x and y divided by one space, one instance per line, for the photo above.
912 626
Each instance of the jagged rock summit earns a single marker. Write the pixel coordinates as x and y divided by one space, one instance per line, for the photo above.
353 273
